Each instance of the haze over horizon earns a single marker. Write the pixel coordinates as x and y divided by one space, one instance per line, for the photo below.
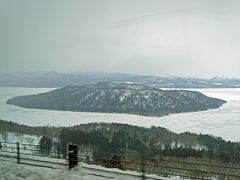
193 38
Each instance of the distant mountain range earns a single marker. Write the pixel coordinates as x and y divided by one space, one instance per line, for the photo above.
54 79
119 98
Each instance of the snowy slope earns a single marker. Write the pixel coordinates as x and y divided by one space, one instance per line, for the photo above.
13 171
10 170
21 138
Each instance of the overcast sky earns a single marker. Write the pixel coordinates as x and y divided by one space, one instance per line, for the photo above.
199 38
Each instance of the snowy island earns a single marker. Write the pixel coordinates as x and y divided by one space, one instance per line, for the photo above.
126 98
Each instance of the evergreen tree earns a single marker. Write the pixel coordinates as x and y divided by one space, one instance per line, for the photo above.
45 145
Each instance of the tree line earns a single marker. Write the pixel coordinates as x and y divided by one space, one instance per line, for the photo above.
125 141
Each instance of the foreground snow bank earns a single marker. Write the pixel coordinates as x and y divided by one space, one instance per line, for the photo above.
13 171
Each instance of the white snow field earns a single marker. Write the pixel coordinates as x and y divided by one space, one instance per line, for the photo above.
10 170
6 136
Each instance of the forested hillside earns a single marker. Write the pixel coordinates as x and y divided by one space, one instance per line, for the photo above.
126 139
119 98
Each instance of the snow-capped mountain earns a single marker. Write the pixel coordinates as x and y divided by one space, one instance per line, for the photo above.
55 79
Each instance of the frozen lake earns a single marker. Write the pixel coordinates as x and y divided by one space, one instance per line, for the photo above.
224 122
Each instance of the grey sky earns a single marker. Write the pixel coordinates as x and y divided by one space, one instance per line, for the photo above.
166 37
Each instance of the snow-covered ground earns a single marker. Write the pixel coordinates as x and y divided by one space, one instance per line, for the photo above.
21 138
57 168
10 170
28 143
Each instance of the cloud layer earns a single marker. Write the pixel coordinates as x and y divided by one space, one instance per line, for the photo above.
168 37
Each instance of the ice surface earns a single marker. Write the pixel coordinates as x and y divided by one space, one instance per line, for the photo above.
224 122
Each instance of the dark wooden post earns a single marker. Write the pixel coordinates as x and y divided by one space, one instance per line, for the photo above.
18 153
72 155
143 167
